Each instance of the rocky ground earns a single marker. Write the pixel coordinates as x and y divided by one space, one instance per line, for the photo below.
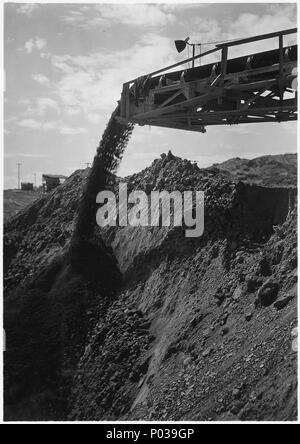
276 170
41 232
190 329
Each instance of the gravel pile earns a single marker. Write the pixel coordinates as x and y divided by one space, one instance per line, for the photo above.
178 328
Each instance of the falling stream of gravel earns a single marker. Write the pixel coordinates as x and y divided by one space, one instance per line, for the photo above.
108 156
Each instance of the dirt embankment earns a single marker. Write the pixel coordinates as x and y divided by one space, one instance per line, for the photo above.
196 329
216 351
277 170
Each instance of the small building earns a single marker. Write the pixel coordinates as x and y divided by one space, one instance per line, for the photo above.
27 186
51 181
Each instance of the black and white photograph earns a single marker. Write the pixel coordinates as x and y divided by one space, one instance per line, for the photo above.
149 235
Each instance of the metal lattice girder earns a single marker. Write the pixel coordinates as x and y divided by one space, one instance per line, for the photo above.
248 89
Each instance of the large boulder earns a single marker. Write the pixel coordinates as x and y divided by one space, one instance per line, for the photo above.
267 293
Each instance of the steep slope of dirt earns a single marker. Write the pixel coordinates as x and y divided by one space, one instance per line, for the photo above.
48 307
213 351
197 328
41 232
276 170
60 288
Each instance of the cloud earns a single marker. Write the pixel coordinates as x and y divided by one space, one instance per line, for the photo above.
59 126
93 82
90 85
25 102
178 7
71 131
30 123
136 15
29 45
93 118
252 24
34 43
249 24
74 17
27 9
26 155
40 106
45 103
41 79
130 15
205 29
244 25
86 86
72 110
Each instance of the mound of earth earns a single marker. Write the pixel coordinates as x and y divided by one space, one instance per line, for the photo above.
277 170
41 232
184 328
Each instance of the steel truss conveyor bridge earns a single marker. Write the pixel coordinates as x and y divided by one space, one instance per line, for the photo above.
259 87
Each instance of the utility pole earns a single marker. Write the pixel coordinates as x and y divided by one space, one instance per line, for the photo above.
35 180
19 175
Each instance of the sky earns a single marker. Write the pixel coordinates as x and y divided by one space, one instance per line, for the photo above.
64 69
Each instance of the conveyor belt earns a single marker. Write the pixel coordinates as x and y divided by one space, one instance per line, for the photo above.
258 87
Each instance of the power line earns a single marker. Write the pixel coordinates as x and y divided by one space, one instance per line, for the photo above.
200 45
215 43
